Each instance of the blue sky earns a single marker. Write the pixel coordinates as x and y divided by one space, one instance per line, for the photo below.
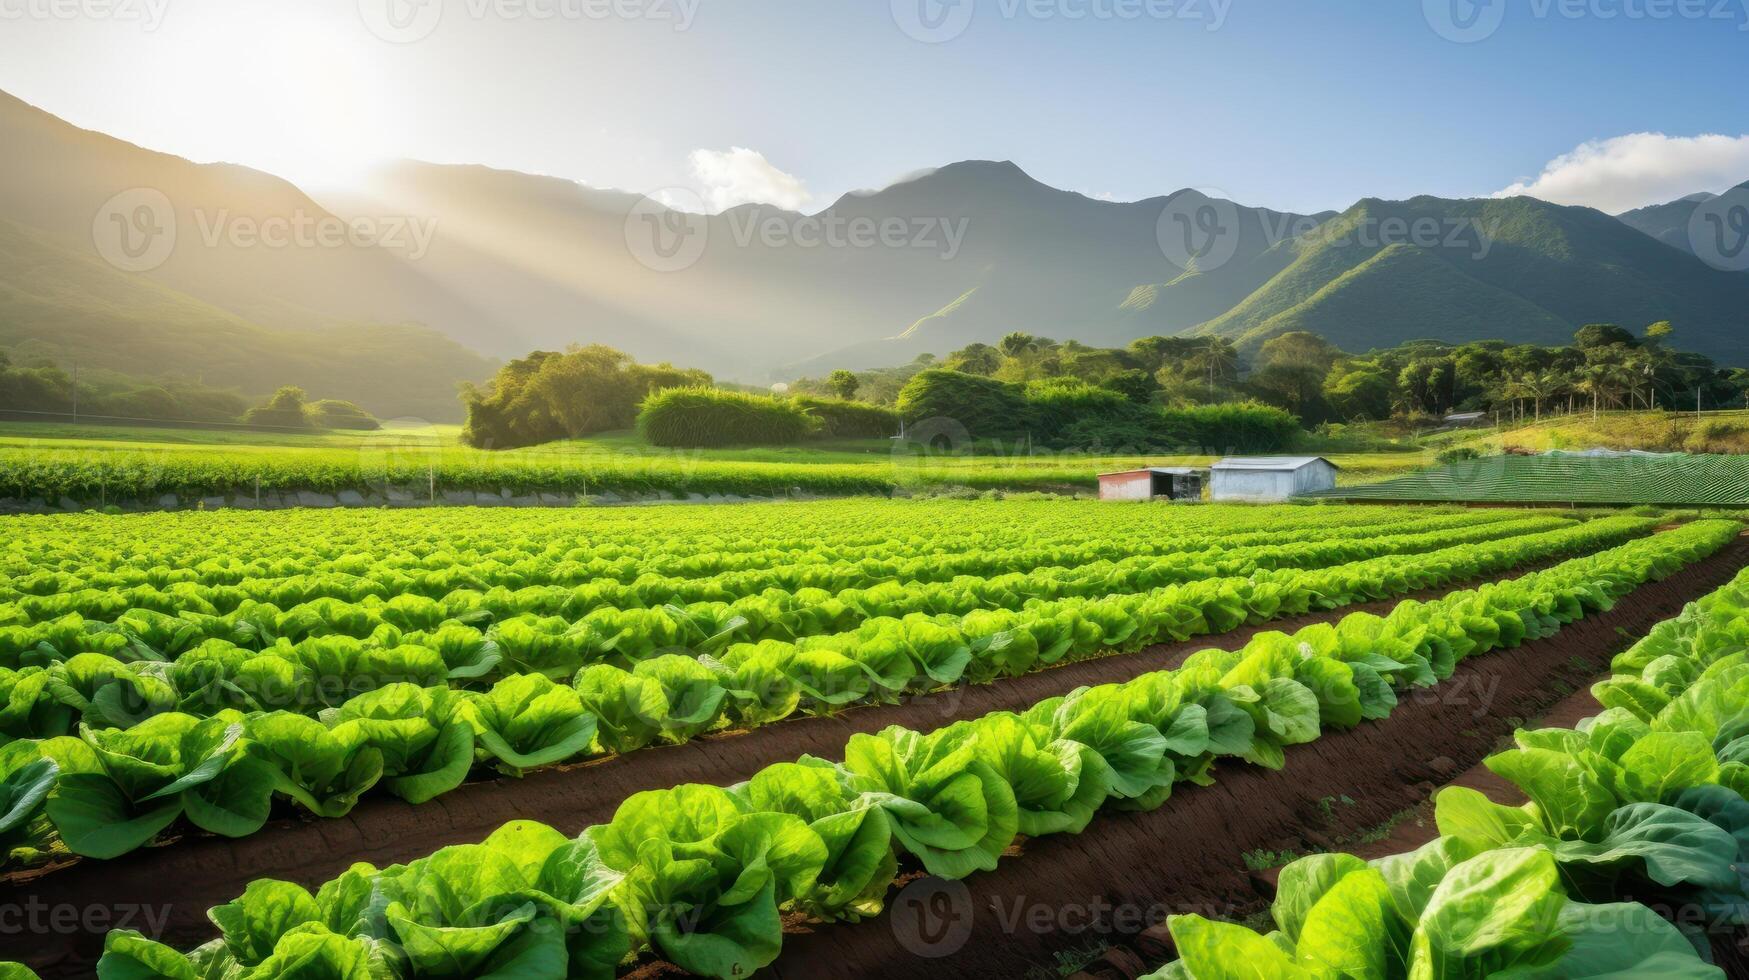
1296 105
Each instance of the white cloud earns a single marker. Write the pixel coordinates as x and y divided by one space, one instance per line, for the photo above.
742 176
1627 172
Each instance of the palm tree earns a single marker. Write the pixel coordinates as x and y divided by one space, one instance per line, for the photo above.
1017 343
1536 387
1594 379
1217 358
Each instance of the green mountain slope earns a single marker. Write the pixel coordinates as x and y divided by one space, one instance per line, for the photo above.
1399 290
71 307
1517 268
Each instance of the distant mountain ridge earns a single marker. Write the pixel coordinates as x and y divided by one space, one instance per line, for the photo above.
1672 222
966 252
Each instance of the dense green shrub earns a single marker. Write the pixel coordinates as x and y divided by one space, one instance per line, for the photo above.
1458 454
1067 413
332 413
986 407
1232 427
699 418
1059 403
285 409
850 420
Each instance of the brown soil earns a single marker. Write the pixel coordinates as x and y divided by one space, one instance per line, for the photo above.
208 871
1130 870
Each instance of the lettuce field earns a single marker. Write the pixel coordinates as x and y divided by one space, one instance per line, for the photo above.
874 738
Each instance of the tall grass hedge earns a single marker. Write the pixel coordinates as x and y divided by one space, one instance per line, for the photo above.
850 420
706 418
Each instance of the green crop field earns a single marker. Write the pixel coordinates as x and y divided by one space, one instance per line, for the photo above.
172 681
89 463
1678 480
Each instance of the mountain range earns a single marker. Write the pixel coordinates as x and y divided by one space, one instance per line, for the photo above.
466 265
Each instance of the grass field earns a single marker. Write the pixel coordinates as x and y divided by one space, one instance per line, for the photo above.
1709 432
86 462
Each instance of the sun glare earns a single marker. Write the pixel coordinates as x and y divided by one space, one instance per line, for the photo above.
301 100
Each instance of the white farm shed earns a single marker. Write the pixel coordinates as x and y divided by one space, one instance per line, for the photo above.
1270 477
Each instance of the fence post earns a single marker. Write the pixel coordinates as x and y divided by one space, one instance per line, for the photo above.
431 474
258 491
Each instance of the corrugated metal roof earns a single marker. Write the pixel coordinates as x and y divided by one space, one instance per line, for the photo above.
1169 470
1268 462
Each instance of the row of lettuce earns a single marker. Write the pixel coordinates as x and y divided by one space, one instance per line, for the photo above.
701 875
214 736
558 546
1628 860
536 625
424 597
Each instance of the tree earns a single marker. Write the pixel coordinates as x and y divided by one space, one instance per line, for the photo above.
843 384
1298 349
1602 335
1138 386
1016 344
1299 388
1363 393
1594 380
979 359
285 408
1536 387
1427 384
1739 379
548 395
1216 359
